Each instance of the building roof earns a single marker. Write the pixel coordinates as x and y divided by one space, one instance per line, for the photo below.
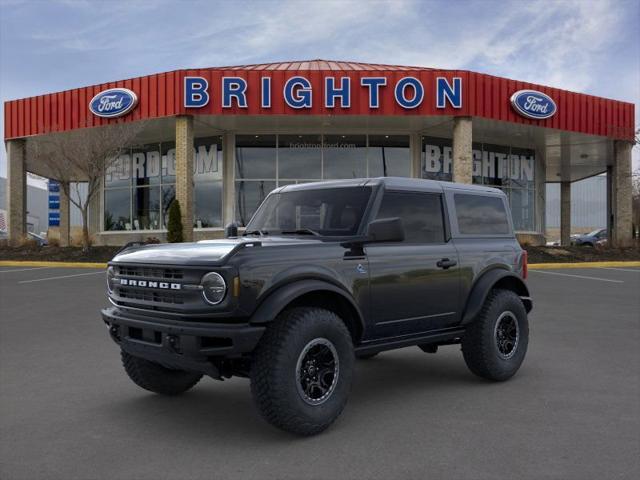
320 64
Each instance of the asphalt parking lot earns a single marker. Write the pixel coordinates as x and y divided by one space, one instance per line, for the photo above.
68 411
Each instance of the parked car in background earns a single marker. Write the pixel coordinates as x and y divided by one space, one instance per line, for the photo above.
40 240
591 239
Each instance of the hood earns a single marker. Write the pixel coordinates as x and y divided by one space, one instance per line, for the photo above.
205 252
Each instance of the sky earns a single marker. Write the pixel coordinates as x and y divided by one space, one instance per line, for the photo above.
589 46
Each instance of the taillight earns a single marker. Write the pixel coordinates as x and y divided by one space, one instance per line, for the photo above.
525 266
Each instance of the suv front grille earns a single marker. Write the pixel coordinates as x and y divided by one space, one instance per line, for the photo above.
150 295
150 272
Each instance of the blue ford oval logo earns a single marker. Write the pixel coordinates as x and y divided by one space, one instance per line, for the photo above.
533 104
114 102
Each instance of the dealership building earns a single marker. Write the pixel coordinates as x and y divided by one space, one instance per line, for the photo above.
220 139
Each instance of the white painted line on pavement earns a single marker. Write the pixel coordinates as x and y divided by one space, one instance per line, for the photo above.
637 270
23 269
63 276
577 276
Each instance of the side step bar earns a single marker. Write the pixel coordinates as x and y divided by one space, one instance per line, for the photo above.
447 336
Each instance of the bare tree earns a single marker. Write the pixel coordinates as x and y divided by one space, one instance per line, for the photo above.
82 156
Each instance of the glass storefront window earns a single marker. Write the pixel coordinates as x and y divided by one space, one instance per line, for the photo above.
149 172
389 156
300 156
208 204
117 209
344 156
146 208
145 165
437 159
168 195
168 162
256 156
118 174
522 204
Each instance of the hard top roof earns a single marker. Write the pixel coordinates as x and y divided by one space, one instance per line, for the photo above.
400 183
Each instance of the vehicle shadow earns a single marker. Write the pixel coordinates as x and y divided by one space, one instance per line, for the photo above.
224 411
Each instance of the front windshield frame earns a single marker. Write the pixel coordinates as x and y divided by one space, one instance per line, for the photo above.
259 223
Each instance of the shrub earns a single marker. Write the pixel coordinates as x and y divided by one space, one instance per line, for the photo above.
174 227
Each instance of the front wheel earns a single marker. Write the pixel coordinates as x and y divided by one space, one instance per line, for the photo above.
495 343
156 378
301 370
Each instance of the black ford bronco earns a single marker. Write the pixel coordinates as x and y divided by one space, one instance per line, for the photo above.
325 273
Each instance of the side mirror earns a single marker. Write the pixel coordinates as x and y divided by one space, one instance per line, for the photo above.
231 230
385 230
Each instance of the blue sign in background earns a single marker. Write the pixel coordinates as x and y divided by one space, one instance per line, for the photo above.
54 203
54 219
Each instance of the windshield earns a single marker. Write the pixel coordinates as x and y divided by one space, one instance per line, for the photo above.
594 233
322 211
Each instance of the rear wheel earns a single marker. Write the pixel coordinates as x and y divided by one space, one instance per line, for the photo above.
301 371
495 343
156 378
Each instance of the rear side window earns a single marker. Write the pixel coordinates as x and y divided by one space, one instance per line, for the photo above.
481 215
421 215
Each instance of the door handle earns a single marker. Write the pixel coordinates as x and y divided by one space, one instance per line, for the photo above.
446 263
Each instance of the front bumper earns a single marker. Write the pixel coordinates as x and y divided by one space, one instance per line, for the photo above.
178 344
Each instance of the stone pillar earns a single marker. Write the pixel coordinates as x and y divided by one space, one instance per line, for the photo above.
462 150
16 191
184 173
565 213
65 215
621 186
228 179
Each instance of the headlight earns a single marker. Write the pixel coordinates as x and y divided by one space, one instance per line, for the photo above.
214 288
111 272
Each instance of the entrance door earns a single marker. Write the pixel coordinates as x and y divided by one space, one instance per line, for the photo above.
414 285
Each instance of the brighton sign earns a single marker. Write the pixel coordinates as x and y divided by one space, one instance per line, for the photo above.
297 92
113 103
533 104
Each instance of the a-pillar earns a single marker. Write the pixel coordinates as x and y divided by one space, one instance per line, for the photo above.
565 213
462 150
65 215
621 193
184 173
16 191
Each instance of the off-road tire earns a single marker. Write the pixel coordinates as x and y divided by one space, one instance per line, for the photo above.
479 345
156 378
274 375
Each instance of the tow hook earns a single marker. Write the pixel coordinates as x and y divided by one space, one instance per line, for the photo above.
173 343
114 331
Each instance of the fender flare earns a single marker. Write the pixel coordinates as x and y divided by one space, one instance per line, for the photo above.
486 282
282 296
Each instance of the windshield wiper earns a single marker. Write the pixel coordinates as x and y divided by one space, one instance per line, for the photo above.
301 231
255 232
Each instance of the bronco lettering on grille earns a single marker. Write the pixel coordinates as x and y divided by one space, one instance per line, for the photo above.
149 284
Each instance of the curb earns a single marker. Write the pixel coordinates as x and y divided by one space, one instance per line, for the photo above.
28 263
546 266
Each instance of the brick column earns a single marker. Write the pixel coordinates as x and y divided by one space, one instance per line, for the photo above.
621 190
65 216
184 173
565 213
462 150
16 191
